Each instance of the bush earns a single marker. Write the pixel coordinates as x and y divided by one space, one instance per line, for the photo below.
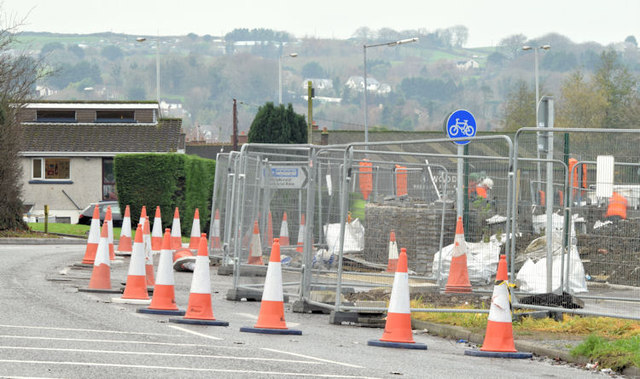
168 181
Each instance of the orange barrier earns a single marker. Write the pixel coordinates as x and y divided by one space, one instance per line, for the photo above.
401 180
366 179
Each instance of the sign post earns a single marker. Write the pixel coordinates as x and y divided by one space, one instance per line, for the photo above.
460 123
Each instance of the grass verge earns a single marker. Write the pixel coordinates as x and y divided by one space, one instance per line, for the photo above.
615 354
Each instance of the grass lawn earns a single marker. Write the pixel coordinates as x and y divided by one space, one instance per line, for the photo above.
79 230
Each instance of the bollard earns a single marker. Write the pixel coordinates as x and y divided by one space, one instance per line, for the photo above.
46 219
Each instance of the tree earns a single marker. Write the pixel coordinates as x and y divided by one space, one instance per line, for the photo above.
631 39
619 88
519 110
313 70
278 125
18 74
112 53
581 105
511 46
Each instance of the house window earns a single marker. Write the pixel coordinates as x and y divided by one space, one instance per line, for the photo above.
51 168
108 180
115 116
55 116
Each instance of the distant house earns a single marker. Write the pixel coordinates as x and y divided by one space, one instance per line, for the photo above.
319 84
467 65
68 148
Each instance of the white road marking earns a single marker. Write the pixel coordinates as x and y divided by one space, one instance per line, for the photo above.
147 353
310 357
195 333
113 341
87 330
179 368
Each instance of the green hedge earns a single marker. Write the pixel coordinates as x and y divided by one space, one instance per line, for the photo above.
168 181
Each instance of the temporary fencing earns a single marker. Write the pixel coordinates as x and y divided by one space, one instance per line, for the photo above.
589 264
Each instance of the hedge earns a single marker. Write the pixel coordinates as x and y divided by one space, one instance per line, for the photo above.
169 181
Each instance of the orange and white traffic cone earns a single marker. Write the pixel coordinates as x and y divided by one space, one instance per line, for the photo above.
156 232
108 219
163 301
148 253
176 232
94 238
135 292
498 339
199 309
284 231
393 253
255 247
397 330
300 245
271 317
143 216
458 280
269 229
184 260
124 243
194 239
101 276
215 235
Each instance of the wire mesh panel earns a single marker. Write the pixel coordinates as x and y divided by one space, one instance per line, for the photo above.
592 196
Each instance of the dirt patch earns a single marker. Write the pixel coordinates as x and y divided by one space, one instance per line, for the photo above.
431 299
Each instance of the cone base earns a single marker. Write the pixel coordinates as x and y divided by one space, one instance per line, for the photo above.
457 289
123 253
498 354
398 345
120 300
199 322
99 290
248 329
168 312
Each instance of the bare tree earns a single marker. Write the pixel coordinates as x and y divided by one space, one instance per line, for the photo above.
18 75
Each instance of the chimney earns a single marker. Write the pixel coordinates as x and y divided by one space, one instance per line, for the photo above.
324 136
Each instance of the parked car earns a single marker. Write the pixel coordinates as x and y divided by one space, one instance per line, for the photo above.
87 213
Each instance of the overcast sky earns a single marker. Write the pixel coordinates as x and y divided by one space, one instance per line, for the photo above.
488 21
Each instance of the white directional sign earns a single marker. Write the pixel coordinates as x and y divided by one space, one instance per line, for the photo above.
288 177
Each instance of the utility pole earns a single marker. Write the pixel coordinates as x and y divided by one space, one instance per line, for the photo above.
235 126
310 110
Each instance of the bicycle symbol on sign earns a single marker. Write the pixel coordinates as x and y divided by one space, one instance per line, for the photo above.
463 127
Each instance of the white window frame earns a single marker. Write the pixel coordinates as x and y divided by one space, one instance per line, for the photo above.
42 169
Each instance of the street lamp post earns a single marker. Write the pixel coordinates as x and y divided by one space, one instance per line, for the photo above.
364 48
143 39
535 59
292 55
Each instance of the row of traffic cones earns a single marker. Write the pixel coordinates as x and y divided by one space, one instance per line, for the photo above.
255 244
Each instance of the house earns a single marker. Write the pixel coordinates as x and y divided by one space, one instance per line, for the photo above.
68 148
319 84
467 65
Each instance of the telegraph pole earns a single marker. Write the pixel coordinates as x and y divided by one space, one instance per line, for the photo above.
235 126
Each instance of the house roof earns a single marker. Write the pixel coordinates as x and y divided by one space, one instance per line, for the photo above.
82 139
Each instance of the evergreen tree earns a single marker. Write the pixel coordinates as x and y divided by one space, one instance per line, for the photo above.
278 125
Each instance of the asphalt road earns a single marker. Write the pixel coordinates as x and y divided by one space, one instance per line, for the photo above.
50 330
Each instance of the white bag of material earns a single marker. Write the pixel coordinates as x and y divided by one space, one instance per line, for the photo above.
482 261
353 237
532 277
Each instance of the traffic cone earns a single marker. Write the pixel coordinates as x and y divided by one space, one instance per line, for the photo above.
498 339
194 240
458 280
184 260
300 246
156 233
397 330
148 253
124 243
143 216
393 253
284 231
108 219
215 237
271 317
101 275
199 309
94 238
164 301
135 292
269 229
176 233
255 247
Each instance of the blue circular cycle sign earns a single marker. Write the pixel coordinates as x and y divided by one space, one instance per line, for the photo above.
460 123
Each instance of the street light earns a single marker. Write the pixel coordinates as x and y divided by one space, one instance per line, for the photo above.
292 55
364 48
143 39
535 58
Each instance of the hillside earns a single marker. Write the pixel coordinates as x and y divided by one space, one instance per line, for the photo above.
412 86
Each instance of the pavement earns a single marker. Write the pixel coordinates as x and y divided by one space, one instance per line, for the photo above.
554 349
